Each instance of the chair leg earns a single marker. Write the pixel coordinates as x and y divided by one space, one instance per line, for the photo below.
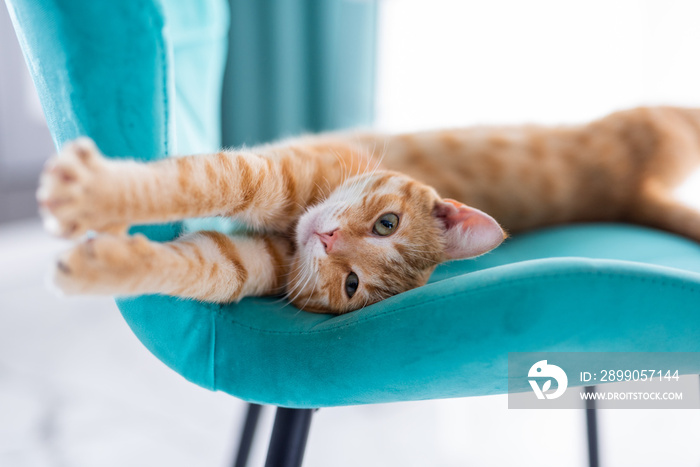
592 429
289 436
247 435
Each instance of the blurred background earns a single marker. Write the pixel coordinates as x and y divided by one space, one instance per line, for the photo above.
78 389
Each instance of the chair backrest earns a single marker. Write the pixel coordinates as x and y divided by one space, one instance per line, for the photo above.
101 70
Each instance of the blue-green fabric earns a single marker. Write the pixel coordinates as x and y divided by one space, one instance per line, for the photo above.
130 75
97 77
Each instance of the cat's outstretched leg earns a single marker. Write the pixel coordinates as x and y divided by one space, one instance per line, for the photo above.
80 190
267 187
208 266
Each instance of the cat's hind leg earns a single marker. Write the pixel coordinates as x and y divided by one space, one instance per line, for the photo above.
658 208
208 266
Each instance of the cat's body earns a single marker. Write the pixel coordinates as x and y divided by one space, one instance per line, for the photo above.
349 219
529 177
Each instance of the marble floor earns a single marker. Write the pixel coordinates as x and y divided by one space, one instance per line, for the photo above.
77 389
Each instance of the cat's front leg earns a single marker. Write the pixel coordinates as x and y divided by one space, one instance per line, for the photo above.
108 265
208 266
80 190
266 188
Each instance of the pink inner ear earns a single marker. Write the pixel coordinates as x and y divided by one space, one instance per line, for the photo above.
468 231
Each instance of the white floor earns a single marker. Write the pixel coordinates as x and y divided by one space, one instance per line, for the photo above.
77 389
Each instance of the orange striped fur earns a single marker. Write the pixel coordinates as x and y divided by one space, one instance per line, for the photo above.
314 203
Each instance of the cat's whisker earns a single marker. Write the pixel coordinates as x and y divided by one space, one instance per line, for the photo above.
366 302
296 271
301 290
343 167
307 270
328 187
320 189
301 271
288 294
376 167
313 288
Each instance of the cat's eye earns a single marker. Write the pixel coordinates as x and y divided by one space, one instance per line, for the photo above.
351 284
386 224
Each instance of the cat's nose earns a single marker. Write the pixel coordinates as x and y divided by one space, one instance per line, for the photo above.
328 239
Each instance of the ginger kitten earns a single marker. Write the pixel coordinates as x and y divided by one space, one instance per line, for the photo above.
337 227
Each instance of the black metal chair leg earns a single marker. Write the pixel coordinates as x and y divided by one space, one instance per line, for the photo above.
592 428
289 436
247 435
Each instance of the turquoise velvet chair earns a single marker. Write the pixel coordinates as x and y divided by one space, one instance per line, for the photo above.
144 80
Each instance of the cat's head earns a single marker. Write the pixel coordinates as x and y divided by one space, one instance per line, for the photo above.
378 235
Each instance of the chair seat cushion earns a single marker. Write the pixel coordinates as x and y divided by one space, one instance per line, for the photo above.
602 287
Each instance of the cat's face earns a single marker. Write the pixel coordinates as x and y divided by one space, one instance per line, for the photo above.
378 235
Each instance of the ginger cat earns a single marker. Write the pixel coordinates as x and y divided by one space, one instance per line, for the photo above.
345 220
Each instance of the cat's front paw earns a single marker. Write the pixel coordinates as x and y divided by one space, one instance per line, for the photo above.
106 264
71 189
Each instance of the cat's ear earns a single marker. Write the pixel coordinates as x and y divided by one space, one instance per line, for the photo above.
468 232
